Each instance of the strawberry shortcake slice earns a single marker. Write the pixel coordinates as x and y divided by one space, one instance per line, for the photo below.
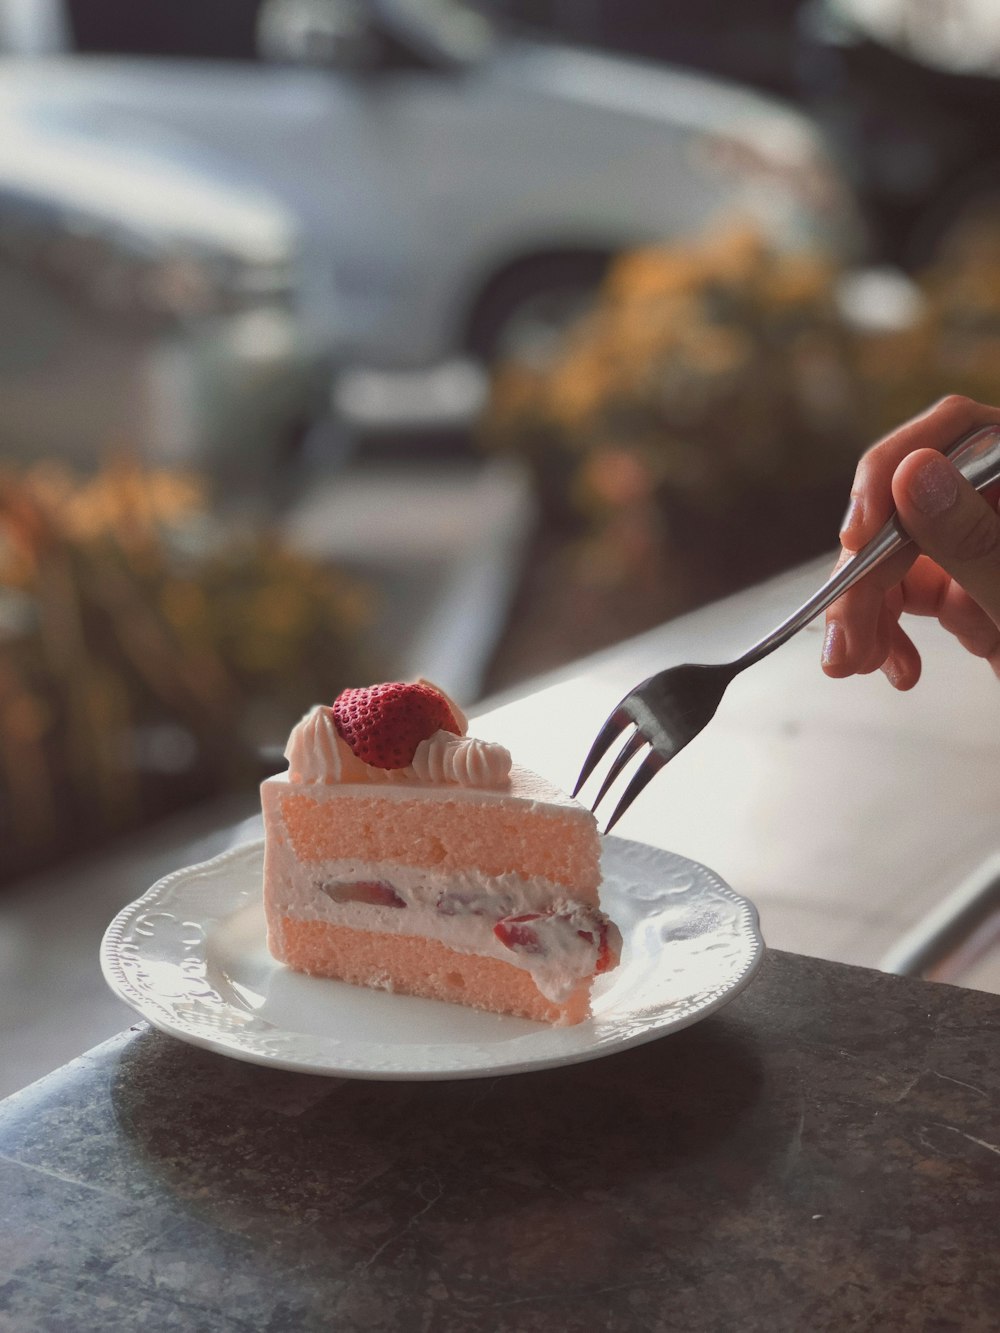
403 854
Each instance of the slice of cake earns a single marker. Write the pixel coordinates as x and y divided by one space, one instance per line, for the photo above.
401 853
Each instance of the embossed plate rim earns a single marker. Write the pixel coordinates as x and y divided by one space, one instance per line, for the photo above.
204 1017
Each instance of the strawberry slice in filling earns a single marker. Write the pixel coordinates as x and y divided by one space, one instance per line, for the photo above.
373 892
577 937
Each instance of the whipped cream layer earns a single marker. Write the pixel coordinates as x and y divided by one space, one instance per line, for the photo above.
521 785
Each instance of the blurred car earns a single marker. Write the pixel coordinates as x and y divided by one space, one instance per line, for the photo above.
460 190
911 93
145 304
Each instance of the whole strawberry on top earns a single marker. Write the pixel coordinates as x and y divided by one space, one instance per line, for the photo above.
384 724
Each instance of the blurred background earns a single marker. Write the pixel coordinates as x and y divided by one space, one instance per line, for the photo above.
350 339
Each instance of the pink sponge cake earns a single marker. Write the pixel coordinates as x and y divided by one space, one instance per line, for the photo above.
402 854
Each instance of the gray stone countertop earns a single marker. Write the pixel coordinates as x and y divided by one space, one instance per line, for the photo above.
822 1153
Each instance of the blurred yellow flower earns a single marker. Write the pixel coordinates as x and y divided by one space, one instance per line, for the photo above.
139 613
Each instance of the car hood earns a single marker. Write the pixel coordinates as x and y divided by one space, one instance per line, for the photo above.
155 187
673 97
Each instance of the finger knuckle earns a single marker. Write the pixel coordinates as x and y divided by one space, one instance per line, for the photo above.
957 404
979 543
981 642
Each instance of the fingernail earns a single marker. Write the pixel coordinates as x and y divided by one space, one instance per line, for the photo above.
892 671
834 645
934 487
852 514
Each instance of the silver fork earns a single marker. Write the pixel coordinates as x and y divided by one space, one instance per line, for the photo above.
669 709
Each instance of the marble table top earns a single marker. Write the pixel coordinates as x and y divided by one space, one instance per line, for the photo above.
824 1152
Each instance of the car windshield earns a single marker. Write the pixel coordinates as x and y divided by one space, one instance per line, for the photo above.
457 31
962 37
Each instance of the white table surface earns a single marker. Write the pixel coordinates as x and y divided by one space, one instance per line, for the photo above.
844 809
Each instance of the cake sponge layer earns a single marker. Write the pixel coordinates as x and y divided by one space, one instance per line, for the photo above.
413 965
498 838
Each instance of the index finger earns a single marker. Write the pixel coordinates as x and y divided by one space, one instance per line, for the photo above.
937 428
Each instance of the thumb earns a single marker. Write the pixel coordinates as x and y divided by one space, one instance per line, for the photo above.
952 523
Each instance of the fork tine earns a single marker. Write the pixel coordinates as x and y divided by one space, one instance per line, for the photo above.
647 770
631 748
606 737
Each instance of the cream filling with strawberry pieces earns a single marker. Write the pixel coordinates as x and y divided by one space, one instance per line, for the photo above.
558 941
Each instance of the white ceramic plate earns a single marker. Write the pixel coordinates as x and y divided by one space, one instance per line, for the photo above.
190 956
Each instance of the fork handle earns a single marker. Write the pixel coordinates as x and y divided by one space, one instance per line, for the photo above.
976 455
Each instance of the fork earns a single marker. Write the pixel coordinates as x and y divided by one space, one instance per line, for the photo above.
669 709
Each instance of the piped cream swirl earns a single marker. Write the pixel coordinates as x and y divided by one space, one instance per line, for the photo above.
316 752
465 760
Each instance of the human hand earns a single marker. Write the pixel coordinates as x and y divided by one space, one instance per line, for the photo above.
954 572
